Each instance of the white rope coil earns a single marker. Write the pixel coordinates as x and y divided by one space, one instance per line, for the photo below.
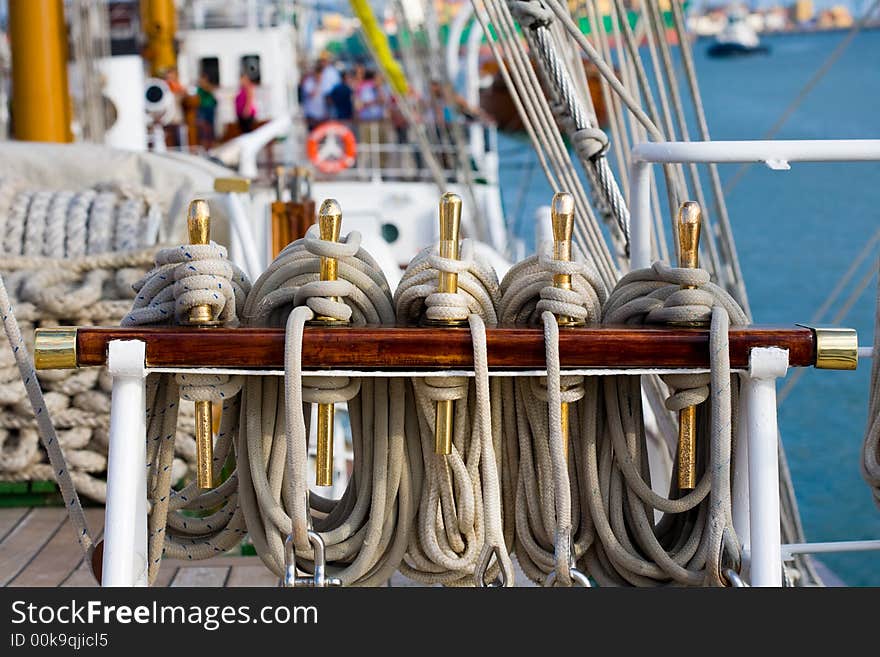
365 531
460 537
694 542
60 269
187 523
553 526
870 462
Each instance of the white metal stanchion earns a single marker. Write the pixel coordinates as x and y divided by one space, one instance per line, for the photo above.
125 516
766 364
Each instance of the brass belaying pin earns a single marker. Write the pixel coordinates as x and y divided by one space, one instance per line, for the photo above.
690 219
562 219
450 229
329 226
198 221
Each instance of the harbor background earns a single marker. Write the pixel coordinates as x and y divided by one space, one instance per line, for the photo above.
797 233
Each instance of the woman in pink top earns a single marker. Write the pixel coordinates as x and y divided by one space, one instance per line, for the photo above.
245 105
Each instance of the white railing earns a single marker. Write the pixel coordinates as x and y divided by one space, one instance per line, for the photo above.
380 159
756 492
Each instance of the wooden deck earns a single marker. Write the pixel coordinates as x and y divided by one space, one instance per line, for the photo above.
38 548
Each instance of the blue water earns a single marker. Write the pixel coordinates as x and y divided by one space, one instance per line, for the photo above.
796 232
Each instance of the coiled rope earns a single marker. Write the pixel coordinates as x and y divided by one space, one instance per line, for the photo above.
553 525
694 542
365 531
460 537
870 463
189 524
69 258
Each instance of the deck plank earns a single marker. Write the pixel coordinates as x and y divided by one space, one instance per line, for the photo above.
80 577
27 539
166 575
9 518
59 557
201 576
251 575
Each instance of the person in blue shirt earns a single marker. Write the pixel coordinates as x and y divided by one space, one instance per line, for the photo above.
341 99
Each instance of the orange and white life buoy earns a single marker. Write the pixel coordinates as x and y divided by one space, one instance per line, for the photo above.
331 147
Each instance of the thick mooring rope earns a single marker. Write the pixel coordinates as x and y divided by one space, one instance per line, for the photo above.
69 258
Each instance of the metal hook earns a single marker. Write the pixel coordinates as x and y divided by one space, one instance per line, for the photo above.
576 575
734 578
319 577
480 575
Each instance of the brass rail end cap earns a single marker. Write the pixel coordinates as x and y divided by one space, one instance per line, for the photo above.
836 348
55 348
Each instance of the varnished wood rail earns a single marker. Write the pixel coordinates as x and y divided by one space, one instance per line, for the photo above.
382 347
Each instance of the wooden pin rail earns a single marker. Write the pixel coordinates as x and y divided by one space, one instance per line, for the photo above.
379 347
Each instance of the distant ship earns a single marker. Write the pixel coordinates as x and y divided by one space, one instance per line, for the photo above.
736 39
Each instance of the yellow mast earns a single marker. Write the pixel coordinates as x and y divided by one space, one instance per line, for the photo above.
159 18
40 96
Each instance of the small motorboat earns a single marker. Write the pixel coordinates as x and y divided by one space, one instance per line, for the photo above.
736 39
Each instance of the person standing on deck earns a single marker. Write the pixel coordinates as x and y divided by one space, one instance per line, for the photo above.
369 110
245 104
341 100
315 88
207 111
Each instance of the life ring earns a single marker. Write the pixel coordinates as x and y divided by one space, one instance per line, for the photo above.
331 147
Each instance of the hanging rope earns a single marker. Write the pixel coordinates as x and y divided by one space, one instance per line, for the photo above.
694 542
460 537
364 532
871 447
553 524
189 523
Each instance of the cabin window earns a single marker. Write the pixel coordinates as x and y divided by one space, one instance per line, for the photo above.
210 68
250 66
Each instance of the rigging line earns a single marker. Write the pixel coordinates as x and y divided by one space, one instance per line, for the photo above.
807 89
613 112
844 280
844 310
587 232
726 243
690 171
604 69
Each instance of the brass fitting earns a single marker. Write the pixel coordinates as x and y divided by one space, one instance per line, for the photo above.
450 231
836 348
562 218
232 185
329 225
198 220
55 348
690 219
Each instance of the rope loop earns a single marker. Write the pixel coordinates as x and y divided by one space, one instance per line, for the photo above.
590 143
531 13
215 388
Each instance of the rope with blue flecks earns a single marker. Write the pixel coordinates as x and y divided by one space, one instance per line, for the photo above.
189 523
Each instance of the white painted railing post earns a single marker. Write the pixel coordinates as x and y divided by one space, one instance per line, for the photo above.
125 516
766 364
640 214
